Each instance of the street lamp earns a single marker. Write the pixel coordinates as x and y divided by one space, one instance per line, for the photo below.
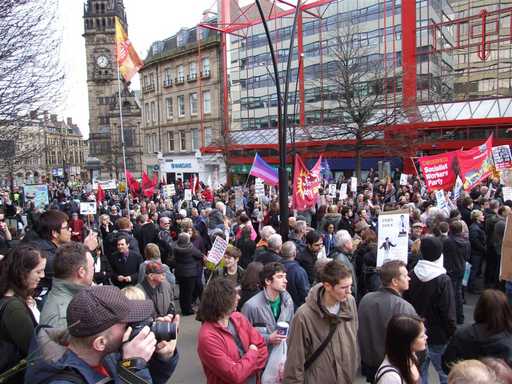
282 116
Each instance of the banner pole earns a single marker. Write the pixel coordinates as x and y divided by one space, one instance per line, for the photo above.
122 135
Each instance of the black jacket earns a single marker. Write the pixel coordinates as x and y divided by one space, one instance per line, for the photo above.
148 234
475 342
186 258
49 249
478 240
433 300
307 261
456 251
130 267
267 257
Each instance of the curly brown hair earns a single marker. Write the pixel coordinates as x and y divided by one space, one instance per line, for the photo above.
15 268
218 300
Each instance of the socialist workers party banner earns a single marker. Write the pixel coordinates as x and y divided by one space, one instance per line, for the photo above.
305 184
475 164
439 171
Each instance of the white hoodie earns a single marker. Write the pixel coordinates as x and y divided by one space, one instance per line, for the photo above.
429 270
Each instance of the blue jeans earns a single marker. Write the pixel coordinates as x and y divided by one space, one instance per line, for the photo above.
435 354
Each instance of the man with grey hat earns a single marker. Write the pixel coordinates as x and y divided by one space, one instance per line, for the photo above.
102 347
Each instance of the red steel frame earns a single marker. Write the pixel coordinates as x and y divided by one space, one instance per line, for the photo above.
240 25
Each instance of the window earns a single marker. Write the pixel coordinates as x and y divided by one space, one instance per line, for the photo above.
148 112
145 82
181 72
192 69
168 107
193 103
206 102
181 106
183 140
153 111
208 136
167 74
155 143
151 78
206 66
170 141
195 139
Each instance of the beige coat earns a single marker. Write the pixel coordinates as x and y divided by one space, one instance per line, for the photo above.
339 361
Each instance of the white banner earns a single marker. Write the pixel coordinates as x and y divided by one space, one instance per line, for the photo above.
105 184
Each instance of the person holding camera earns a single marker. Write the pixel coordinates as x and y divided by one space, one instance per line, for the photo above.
110 337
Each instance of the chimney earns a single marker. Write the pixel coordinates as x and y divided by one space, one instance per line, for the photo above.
45 116
53 118
70 121
33 115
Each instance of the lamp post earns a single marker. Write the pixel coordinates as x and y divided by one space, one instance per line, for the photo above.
282 117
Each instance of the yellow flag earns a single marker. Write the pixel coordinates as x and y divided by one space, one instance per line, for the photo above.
127 59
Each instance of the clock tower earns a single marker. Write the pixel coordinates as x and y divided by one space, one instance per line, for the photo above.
102 83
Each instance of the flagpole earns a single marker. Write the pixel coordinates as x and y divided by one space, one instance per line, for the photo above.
122 138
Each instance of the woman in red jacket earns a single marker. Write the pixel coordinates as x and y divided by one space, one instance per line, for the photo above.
229 347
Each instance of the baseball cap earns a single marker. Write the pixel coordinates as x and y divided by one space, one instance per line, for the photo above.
97 308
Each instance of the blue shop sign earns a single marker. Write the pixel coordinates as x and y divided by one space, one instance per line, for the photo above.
181 165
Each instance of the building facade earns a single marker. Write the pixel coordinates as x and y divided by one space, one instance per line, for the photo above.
103 93
46 149
182 100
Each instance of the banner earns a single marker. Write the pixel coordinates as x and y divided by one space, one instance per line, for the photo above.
439 171
105 184
475 164
393 230
305 184
502 157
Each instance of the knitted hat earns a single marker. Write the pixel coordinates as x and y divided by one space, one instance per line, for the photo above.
431 248
95 309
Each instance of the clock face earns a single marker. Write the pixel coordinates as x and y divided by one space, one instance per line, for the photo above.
102 61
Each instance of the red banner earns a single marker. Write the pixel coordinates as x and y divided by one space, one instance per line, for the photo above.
439 171
475 164
148 186
305 184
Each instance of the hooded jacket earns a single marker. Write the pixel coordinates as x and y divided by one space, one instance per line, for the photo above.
431 294
54 310
456 251
475 342
186 257
52 357
339 361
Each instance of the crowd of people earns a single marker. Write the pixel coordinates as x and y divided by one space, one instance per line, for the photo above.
91 298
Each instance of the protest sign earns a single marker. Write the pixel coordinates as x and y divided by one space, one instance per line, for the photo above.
475 164
259 188
403 179
393 230
507 193
37 192
343 191
105 184
332 190
218 249
169 190
502 157
188 194
457 189
441 200
353 184
506 252
239 198
88 208
439 170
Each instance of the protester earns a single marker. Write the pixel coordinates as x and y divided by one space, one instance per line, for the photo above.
478 240
471 372
152 253
250 284
343 248
329 314
231 350
309 255
231 269
157 289
74 271
271 255
125 264
297 278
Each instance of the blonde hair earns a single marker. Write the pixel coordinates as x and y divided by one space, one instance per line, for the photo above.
471 372
134 293
152 252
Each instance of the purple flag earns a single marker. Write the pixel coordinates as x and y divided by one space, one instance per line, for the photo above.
264 171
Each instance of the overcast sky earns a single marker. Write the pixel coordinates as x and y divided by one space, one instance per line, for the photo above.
148 21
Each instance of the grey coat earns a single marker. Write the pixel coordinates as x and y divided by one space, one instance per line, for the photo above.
340 256
375 311
259 313
54 310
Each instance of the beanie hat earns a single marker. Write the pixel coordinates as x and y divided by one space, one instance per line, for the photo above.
431 248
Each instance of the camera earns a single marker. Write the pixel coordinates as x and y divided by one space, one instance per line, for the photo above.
163 331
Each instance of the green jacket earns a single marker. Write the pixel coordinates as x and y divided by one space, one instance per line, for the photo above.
54 310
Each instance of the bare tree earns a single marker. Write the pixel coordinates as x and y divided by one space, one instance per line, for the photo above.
31 77
357 83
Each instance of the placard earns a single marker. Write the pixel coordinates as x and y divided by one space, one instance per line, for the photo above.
507 193
239 198
259 187
393 230
403 179
169 190
332 190
457 189
353 184
88 208
37 192
105 184
502 157
343 191
441 200
188 194
218 249
506 252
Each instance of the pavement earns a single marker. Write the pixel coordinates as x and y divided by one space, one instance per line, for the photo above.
190 371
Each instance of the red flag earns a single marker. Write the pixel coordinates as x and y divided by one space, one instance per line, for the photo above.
194 184
133 185
305 184
476 164
148 186
100 194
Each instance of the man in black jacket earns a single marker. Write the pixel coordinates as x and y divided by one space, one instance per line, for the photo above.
125 264
456 251
492 266
275 243
431 295
478 240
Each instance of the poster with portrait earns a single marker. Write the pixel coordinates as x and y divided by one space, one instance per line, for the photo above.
343 191
38 193
393 229
332 190
502 157
88 208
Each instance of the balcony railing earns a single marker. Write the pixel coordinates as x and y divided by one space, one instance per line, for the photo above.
179 80
205 74
192 77
148 88
167 83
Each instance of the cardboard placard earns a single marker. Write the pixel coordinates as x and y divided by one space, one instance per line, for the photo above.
88 208
332 190
218 249
259 187
393 241
403 178
188 194
343 191
506 252
353 184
